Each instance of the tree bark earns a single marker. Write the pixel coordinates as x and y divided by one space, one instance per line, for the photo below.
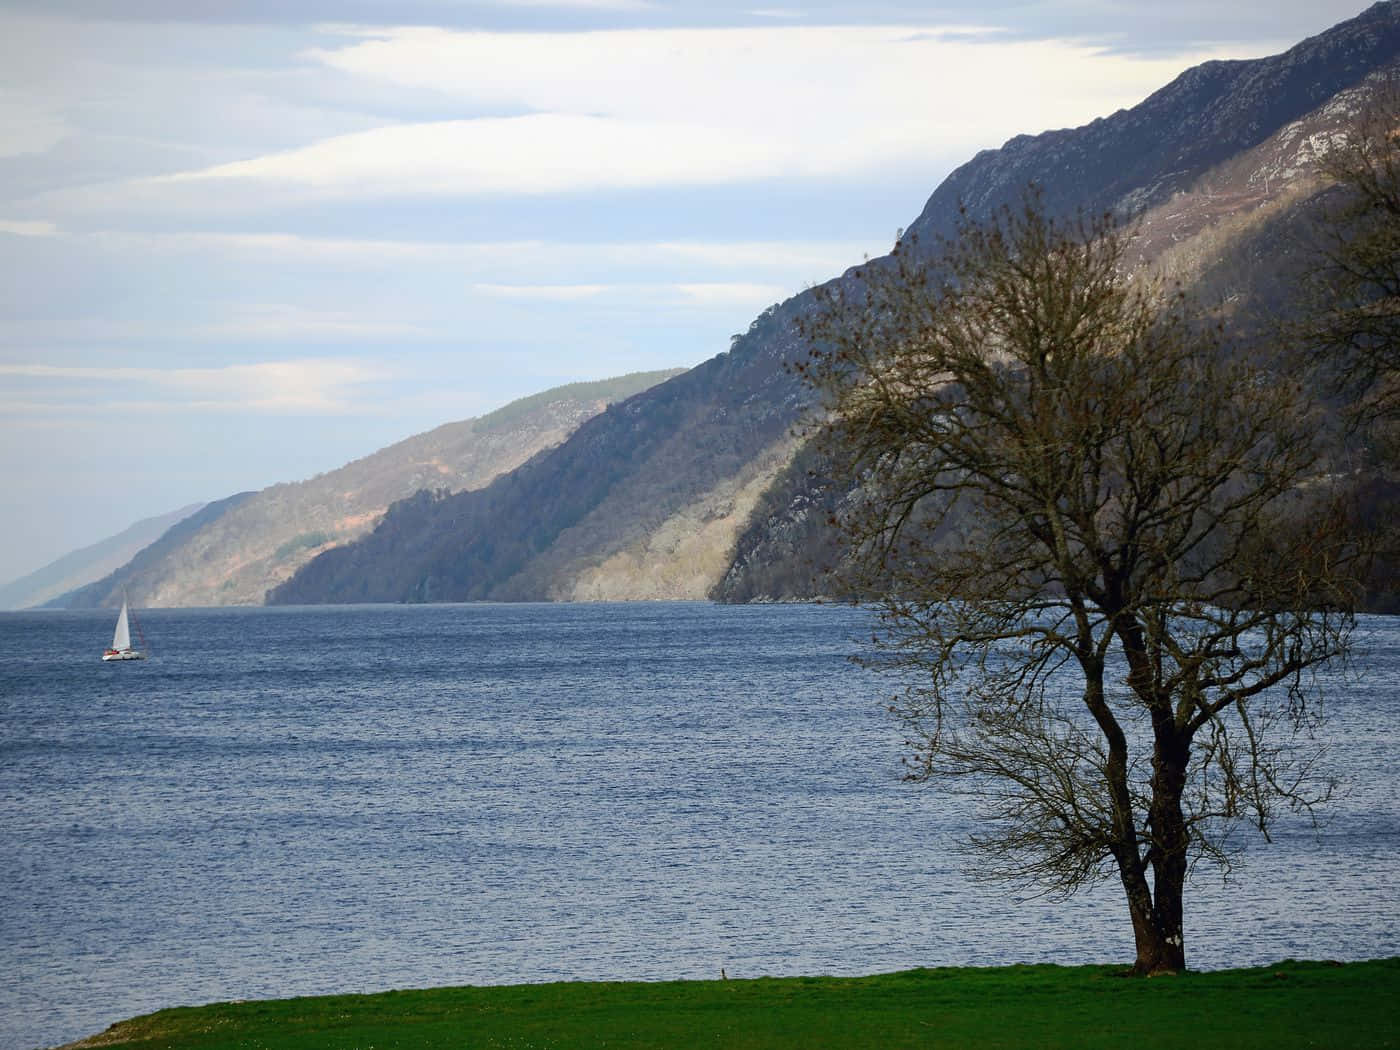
1156 919
1171 839
1156 911
1161 946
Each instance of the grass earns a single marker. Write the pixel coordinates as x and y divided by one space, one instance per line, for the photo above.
1293 1004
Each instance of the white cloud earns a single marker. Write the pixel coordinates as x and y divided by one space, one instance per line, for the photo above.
18 228
248 323
630 109
814 259
536 154
307 386
704 293
836 81
565 293
733 292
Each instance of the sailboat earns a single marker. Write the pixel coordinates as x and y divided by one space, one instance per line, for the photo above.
121 640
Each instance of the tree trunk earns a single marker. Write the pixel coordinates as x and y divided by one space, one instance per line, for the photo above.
1168 955
1157 954
1156 924
1165 951
1156 915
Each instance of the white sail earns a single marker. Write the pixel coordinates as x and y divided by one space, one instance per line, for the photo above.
121 638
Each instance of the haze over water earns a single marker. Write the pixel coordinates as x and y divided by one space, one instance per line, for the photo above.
300 801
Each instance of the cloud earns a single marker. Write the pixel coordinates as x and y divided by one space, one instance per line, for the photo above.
704 293
307 386
626 110
565 293
775 81
733 292
815 259
218 323
536 154
19 228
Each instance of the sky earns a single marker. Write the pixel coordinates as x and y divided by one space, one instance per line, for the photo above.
248 242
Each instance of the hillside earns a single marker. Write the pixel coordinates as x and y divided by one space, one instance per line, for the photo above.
603 515
256 540
1235 239
589 519
89 563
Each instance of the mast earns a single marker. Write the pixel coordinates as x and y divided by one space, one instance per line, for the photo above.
140 634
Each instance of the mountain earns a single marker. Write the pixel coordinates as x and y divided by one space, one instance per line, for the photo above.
89 563
241 546
636 504
1236 238
148 562
643 501
1139 158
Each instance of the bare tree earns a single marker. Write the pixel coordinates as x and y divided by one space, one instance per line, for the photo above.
1106 559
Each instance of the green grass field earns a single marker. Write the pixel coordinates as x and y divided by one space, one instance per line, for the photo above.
1289 1005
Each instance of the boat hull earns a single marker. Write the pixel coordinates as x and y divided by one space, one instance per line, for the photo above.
123 654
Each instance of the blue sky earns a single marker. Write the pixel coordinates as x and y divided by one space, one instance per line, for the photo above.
247 242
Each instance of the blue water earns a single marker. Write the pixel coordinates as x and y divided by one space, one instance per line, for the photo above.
300 801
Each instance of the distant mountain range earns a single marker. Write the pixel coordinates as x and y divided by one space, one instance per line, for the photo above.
691 488
232 551
90 563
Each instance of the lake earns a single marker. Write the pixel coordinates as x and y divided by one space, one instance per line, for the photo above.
345 799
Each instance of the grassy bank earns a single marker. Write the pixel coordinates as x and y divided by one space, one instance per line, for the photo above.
1289 1005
